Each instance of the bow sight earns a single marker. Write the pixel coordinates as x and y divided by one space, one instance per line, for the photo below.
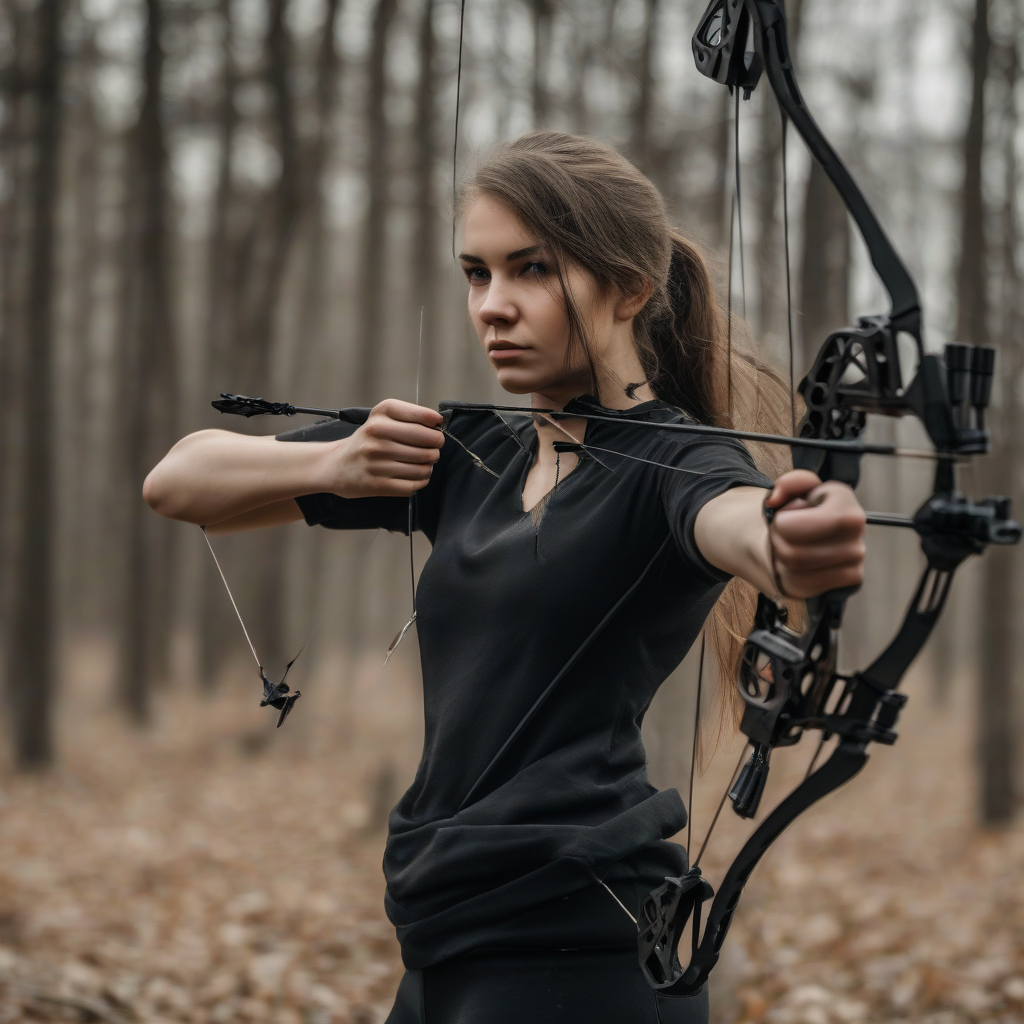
787 679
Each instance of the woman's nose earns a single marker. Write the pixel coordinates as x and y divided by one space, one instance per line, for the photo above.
498 306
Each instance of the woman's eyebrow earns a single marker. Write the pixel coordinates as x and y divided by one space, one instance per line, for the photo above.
517 254
530 250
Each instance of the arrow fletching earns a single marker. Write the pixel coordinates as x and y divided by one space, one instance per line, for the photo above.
240 405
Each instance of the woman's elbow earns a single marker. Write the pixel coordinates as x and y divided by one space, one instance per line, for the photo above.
164 489
160 494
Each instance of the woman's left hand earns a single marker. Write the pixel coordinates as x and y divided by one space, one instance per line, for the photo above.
816 535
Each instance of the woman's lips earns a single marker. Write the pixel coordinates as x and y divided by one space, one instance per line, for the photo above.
503 351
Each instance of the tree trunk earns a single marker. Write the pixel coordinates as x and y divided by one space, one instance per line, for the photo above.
375 226
32 666
12 297
770 254
215 610
995 719
541 58
643 106
972 274
269 622
825 268
997 712
721 143
84 139
148 387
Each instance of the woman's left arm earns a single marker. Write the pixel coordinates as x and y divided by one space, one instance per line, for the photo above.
816 541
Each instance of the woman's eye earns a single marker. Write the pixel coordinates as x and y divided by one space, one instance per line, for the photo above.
535 267
476 275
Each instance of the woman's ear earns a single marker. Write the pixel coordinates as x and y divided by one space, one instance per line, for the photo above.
628 306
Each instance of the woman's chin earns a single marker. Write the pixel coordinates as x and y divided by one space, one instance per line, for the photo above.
519 382
515 382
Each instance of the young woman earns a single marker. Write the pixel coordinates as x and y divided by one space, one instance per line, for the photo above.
570 573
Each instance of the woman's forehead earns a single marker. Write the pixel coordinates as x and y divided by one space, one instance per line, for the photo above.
491 230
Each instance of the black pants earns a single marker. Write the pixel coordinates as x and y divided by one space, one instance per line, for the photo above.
540 988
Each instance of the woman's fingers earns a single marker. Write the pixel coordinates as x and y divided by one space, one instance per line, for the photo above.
817 535
829 522
403 431
797 483
385 451
391 454
394 409
803 585
400 471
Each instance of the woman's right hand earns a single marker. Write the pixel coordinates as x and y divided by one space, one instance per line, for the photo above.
228 481
392 453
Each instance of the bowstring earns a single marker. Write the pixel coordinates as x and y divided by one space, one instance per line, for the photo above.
320 622
739 205
412 497
696 742
234 605
728 308
721 804
583 446
789 271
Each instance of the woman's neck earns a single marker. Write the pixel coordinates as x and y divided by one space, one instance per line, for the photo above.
611 392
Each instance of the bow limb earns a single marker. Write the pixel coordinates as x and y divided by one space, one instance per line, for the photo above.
848 759
905 312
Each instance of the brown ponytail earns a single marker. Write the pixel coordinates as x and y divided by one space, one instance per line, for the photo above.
596 210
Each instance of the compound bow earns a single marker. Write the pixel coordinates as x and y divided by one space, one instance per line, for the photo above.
788 679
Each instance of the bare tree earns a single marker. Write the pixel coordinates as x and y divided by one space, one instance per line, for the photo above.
375 226
825 267
997 726
972 274
286 207
718 204
13 207
770 255
32 667
640 142
149 384
322 148
995 739
542 18
219 345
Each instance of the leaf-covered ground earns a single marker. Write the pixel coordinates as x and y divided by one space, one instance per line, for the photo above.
210 870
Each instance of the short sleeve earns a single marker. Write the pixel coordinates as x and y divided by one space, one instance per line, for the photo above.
715 466
337 513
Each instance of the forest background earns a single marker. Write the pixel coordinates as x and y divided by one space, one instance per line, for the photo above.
255 196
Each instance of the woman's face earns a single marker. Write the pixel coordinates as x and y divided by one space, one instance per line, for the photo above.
517 307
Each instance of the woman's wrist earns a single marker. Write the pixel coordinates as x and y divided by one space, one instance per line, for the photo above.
326 473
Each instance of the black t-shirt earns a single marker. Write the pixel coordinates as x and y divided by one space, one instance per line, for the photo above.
543 638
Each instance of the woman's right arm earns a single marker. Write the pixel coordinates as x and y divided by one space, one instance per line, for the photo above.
228 482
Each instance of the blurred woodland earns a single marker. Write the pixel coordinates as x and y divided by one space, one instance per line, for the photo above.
255 196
